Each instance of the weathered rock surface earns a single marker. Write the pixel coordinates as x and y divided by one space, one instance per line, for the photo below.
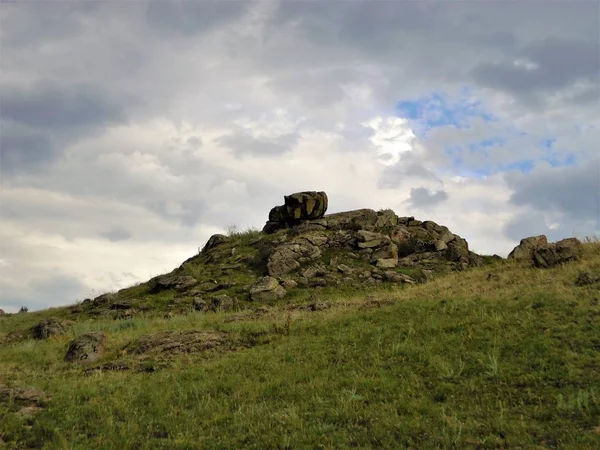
524 250
300 206
87 347
550 255
213 241
173 342
50 327
24 401
587 278
175 282
267 289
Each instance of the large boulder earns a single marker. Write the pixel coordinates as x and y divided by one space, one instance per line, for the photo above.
267 289
524 250
309 205
288 256
50 327
551 255
87 347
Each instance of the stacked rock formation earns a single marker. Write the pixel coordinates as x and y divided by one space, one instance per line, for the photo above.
297 207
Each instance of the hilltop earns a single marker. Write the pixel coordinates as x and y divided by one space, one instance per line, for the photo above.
355 329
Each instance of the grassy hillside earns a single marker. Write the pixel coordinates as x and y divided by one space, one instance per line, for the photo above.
468 360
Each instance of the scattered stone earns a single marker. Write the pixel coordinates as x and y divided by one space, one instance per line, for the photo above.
199 304
87 347
395 277
587 278
222 303
289 284
29 400
267 289
550 255
343 268
50 327
524 250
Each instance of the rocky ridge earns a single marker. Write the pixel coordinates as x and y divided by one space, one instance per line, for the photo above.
300 247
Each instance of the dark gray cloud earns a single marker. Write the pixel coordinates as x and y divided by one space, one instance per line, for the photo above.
424 198
49 105
554 64
573 190
24 147
188 18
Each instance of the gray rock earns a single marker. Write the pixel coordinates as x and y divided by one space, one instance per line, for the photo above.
50 327
551 255
524 251
87 347
267 289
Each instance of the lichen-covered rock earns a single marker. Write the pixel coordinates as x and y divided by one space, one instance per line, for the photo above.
267 289
524 250
87 347
300 206
50 327
288 256
222 303
171 342
560 252
369 239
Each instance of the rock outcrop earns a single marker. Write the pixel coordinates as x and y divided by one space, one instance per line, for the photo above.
304 248
560 252
87 347
525 249
297 207
537 250
50 327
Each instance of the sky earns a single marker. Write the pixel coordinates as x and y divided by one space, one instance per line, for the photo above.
132 131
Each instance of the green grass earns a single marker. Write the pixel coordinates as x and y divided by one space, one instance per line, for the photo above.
461 362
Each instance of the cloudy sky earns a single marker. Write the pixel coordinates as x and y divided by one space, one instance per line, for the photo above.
132 131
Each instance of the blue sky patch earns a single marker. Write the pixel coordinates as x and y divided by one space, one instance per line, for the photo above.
437 110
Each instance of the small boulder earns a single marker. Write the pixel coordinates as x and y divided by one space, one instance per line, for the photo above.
199 304
222 303
87 347
560 252
524 250
50 327
267 289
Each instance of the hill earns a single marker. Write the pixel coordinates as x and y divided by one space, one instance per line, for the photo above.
469 353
